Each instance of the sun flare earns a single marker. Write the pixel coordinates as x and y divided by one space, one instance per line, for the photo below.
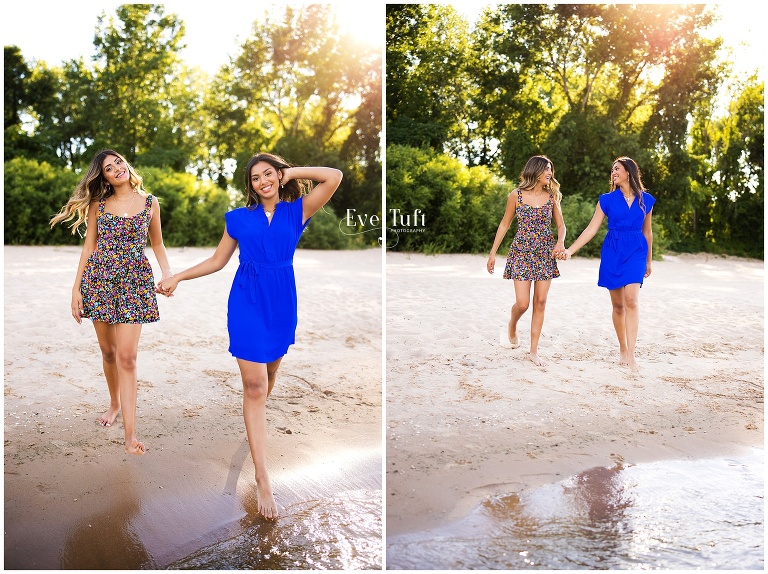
365 22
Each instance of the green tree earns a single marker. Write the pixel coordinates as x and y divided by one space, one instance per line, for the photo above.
738 180
137 84
15 73
29 92
303 90
427 89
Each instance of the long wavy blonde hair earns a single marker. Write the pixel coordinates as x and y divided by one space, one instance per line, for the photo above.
93 187
534 167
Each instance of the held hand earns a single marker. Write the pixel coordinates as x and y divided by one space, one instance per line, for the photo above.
559 251
566 254
167 286
491 264
77 306
164 282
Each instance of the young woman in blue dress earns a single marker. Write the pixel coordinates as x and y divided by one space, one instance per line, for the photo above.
262 309
627 251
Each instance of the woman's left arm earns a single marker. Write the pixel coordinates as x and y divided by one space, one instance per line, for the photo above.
328 180
648 232
156 239
559 250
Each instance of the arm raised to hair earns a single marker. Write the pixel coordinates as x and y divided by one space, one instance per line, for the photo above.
328 180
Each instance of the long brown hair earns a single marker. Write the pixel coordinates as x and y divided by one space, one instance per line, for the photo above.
534 167
291 191
93 187
635 178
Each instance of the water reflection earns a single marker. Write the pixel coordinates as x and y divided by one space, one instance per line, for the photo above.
106 540
670 514
330 518
342 532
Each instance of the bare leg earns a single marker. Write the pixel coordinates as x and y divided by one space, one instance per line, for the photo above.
127 336
631 321
522 300
540 291
272 374
105 333
256 387
619 322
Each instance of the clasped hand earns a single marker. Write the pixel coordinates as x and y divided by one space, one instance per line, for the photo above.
561 253
166 287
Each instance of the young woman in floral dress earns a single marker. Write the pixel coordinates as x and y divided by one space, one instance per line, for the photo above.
114 285
532 254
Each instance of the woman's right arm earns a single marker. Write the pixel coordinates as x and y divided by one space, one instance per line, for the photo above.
89 246
215 262
588 233
506 221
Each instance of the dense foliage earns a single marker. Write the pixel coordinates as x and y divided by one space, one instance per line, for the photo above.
582 84
298 88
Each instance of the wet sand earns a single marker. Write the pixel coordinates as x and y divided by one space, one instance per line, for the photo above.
74 499
468 417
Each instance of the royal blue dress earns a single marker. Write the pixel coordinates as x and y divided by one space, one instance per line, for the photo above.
625 249
262 311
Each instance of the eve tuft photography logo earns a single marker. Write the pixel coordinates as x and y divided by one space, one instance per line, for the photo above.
399 222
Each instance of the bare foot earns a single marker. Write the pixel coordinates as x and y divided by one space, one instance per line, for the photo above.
265 500
108 418
623 359
135 448
535 359
633 365
512 334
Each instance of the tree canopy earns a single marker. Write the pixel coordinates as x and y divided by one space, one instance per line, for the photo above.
298 87
584 84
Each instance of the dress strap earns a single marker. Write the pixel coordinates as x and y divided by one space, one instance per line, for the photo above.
148 202
519 197
102 204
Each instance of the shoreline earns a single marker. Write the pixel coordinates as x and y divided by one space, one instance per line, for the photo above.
501 424
74 499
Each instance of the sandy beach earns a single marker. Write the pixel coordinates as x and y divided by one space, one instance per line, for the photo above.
74 499
468 417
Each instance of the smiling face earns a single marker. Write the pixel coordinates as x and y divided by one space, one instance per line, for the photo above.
265 180
115 171
619 174
546 176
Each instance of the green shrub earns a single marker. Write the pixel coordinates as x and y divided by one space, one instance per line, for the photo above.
192 211
33 193
325 232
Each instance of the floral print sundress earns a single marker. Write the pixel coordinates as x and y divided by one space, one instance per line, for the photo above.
530 253
118 285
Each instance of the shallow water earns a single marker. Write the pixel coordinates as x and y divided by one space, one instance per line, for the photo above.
330 518
703 514
341 532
